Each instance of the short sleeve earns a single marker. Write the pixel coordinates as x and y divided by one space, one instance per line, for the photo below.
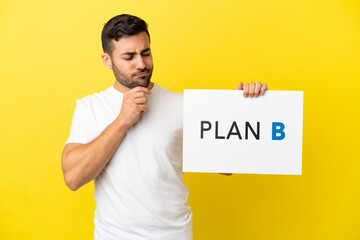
83 128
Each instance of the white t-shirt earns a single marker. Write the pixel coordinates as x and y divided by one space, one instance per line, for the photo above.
140 193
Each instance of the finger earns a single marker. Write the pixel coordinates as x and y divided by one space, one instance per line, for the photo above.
140 89
141 100
246 90
264 87
136 95
142 107
240 86
257 89
251 89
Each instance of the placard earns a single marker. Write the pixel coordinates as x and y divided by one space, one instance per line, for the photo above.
226 133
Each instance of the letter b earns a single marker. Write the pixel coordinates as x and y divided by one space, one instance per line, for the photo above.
278 128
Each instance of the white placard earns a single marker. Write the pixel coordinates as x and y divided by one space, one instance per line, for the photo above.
227 133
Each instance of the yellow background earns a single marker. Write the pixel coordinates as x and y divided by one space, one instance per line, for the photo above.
50 56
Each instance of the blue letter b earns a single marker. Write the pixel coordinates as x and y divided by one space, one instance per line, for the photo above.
278 128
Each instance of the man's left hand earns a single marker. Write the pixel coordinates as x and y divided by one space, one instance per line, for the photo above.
253 89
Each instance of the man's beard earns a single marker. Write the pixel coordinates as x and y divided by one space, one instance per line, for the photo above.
131 82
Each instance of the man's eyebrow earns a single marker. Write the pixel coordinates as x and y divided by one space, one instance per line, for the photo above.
133 53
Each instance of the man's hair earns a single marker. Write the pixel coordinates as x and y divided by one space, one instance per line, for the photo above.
119 26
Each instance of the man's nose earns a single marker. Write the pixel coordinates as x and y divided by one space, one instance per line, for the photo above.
140 62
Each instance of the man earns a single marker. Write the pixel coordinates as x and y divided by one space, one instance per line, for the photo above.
128 138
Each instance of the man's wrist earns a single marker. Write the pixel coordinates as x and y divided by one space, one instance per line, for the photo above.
121 125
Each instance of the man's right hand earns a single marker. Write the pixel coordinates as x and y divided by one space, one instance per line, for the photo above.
133 104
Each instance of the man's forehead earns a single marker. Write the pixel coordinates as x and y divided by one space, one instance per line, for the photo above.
133 43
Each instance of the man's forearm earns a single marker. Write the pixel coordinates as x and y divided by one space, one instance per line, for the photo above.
84 162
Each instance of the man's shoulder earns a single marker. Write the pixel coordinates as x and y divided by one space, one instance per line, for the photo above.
95 96
168 93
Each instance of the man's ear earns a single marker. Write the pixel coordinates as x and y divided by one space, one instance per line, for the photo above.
106 60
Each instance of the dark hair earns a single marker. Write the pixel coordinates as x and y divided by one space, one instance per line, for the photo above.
119 26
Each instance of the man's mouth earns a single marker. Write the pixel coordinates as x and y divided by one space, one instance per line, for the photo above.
143 74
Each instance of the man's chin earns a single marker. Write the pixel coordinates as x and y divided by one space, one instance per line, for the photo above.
145 83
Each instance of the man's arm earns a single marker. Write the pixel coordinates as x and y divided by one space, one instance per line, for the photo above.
81 163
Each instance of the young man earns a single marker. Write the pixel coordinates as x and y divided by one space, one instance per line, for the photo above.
128 138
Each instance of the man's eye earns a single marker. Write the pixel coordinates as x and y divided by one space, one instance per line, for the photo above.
128 58
146 54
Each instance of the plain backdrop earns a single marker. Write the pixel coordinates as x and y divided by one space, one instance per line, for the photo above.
50 56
